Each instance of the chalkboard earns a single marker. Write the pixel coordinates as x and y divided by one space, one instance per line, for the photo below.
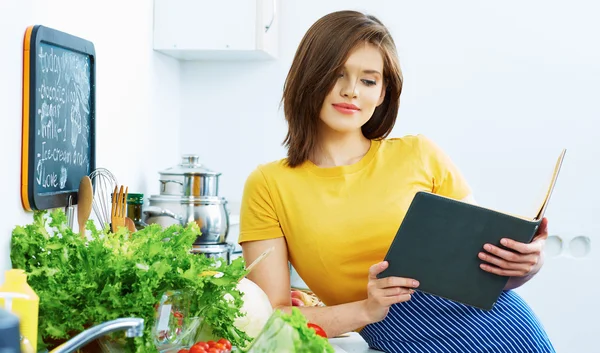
59 76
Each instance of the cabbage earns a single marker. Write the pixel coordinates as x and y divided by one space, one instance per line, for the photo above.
257 308
255 311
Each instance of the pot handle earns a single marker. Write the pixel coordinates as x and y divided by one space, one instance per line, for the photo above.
171 181
155 211
163 184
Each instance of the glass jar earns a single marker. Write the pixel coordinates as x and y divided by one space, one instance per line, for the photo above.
135 202
170 322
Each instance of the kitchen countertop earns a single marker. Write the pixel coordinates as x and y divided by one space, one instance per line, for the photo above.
352 343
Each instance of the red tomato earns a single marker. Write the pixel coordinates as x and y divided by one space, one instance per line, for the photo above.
183 351
317 329
202 344
211 344
226 343
213 350
197 349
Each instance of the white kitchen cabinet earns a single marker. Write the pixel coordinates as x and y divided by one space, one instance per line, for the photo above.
217 29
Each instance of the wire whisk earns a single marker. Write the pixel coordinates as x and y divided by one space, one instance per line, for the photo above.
103 182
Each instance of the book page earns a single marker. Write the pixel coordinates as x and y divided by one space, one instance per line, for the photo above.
473 202
541 209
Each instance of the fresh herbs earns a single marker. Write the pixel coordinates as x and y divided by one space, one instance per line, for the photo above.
84 282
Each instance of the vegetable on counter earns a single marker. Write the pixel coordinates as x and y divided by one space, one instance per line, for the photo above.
289 333
84 282
318 330
220 346
257 308
302 298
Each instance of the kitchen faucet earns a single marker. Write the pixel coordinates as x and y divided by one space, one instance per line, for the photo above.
133 327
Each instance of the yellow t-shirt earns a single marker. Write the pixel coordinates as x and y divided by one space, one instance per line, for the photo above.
339 221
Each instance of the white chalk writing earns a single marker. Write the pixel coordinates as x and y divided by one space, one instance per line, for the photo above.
63 115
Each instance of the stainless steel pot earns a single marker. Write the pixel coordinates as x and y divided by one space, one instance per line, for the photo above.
189 178
210 213
222 251
199 185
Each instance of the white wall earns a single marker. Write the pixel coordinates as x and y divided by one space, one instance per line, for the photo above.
501 86
481 78
137 111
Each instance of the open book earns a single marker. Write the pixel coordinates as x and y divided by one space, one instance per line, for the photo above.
439 240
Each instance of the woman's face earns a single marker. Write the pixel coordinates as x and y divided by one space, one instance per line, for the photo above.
358 90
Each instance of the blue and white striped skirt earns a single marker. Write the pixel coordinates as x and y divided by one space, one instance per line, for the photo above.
427 324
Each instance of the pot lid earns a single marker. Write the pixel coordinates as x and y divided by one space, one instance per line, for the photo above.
185 200
190 164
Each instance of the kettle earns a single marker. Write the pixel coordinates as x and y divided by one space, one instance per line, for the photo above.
10 337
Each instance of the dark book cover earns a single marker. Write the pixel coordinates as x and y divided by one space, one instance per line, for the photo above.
438 241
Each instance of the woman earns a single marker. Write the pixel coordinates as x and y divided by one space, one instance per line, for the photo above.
332 207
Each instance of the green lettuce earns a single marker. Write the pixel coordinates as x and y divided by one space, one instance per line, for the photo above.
289 333
84 282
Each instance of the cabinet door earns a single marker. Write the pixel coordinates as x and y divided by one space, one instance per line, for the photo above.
267 36
202 29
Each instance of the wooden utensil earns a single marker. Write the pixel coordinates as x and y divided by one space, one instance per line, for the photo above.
130 224
118 209
259 258
85 197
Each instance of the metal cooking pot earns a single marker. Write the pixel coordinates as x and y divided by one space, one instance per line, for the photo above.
189 178
222 251
199 185
210 213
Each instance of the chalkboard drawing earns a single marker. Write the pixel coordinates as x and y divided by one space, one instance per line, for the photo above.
75 123
63 177
58 148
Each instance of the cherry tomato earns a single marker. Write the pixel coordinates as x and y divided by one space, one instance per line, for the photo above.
199 347
183 351
213 350
211 344
317 329
226 343
204 345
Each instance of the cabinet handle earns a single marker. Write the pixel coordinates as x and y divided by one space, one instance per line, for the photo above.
267 27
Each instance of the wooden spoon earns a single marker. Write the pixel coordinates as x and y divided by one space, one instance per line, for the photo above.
130 224
84 203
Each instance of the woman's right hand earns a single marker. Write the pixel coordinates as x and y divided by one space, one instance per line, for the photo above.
384 292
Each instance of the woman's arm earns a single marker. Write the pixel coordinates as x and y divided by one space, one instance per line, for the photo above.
273 277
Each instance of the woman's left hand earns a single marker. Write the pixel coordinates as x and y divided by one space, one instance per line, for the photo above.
524 260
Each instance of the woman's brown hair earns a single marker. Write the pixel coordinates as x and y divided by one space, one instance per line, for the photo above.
318 59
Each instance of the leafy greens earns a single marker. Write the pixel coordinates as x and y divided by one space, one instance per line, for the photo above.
84 282
289 333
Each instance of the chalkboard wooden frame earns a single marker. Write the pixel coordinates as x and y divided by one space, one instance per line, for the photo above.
34 37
